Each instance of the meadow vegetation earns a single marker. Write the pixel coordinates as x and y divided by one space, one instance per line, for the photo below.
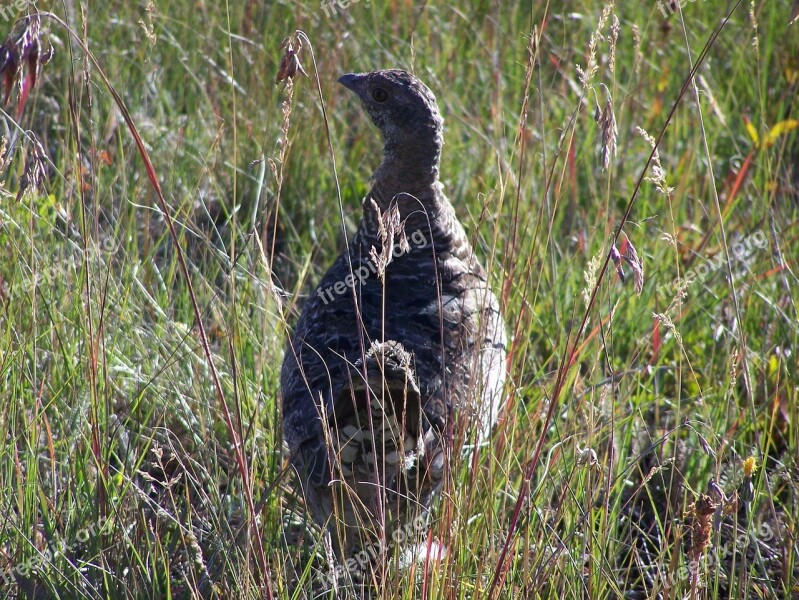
649 442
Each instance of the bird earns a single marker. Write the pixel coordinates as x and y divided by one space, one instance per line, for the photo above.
402 346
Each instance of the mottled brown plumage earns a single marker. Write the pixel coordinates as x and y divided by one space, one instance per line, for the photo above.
401 342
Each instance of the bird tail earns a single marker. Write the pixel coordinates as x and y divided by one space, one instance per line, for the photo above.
379 423
381 436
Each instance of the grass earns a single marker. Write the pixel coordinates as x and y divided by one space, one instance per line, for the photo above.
119 467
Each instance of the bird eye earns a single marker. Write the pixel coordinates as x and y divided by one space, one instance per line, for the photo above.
379 95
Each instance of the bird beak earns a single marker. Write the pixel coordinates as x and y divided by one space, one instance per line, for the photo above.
350 80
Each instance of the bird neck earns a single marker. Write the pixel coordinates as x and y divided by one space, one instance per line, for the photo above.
410 165
408 174
408 178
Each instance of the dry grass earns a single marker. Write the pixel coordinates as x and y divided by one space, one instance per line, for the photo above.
141 333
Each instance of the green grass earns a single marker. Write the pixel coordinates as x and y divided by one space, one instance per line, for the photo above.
118 453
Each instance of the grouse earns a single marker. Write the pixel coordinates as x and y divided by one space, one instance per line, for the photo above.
401 345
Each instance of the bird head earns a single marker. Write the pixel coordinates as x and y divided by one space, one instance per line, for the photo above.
402 107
